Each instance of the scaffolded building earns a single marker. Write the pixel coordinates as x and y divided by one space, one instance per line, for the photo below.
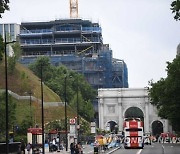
77 44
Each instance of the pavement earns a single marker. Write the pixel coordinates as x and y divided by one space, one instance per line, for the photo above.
87 150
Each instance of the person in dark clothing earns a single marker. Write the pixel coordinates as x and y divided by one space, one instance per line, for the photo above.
80 148
72 148
76 149
28 147
23 146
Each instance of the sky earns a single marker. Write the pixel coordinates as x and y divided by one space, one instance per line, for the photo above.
143 33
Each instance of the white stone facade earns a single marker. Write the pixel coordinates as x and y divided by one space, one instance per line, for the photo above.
113 103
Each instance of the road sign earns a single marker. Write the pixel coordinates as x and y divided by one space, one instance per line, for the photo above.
72 121
93 124
93 127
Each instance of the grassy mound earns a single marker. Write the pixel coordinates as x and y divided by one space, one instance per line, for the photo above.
21 81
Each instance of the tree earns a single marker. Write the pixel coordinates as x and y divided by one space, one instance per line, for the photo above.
13 59
88 112
56 125
11 113
1 48
17 50
165 94
11 64
54 78
3 6
175 7
24 125
44 64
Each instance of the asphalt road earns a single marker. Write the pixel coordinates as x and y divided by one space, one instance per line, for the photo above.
155 148
171 148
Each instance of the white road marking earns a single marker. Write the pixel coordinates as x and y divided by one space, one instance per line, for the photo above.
163 149
139 151
113 150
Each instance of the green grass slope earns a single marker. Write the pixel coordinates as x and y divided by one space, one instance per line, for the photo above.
22 80
50 113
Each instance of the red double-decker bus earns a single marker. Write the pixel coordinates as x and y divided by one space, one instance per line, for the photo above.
133 133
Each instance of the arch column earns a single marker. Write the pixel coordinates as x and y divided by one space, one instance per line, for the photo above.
165 124
101 114
146 118
120 115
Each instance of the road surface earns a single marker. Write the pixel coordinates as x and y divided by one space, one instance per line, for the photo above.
155 148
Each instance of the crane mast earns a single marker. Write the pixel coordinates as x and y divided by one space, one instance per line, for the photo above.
73 8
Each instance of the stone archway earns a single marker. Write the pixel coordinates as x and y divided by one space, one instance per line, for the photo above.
112 126
117 103
134 112
157 128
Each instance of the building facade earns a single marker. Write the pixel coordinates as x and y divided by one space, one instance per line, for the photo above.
11 30
116 104
77 44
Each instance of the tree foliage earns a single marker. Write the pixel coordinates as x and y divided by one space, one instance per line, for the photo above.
17 50
44 64
54 77
165 94
11 113
24 125
13 59
3 6
175 7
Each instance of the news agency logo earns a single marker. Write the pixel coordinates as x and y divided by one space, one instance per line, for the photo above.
140 140
135 140
168 140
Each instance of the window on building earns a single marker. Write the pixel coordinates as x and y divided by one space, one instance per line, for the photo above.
12 28
6 28
1 29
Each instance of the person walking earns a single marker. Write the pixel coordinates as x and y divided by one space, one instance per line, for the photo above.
28 147
80 148
23 147
76 149
72 148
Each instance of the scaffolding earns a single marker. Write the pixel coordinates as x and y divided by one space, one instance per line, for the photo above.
77 44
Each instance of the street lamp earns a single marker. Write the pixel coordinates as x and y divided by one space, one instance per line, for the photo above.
6 80
42 110
30 103
77 105
65 108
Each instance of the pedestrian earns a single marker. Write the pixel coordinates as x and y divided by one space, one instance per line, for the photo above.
72 148
76 149
28 147
23 147
80 148
54 145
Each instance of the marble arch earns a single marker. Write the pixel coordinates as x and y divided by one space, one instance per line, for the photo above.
113 103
